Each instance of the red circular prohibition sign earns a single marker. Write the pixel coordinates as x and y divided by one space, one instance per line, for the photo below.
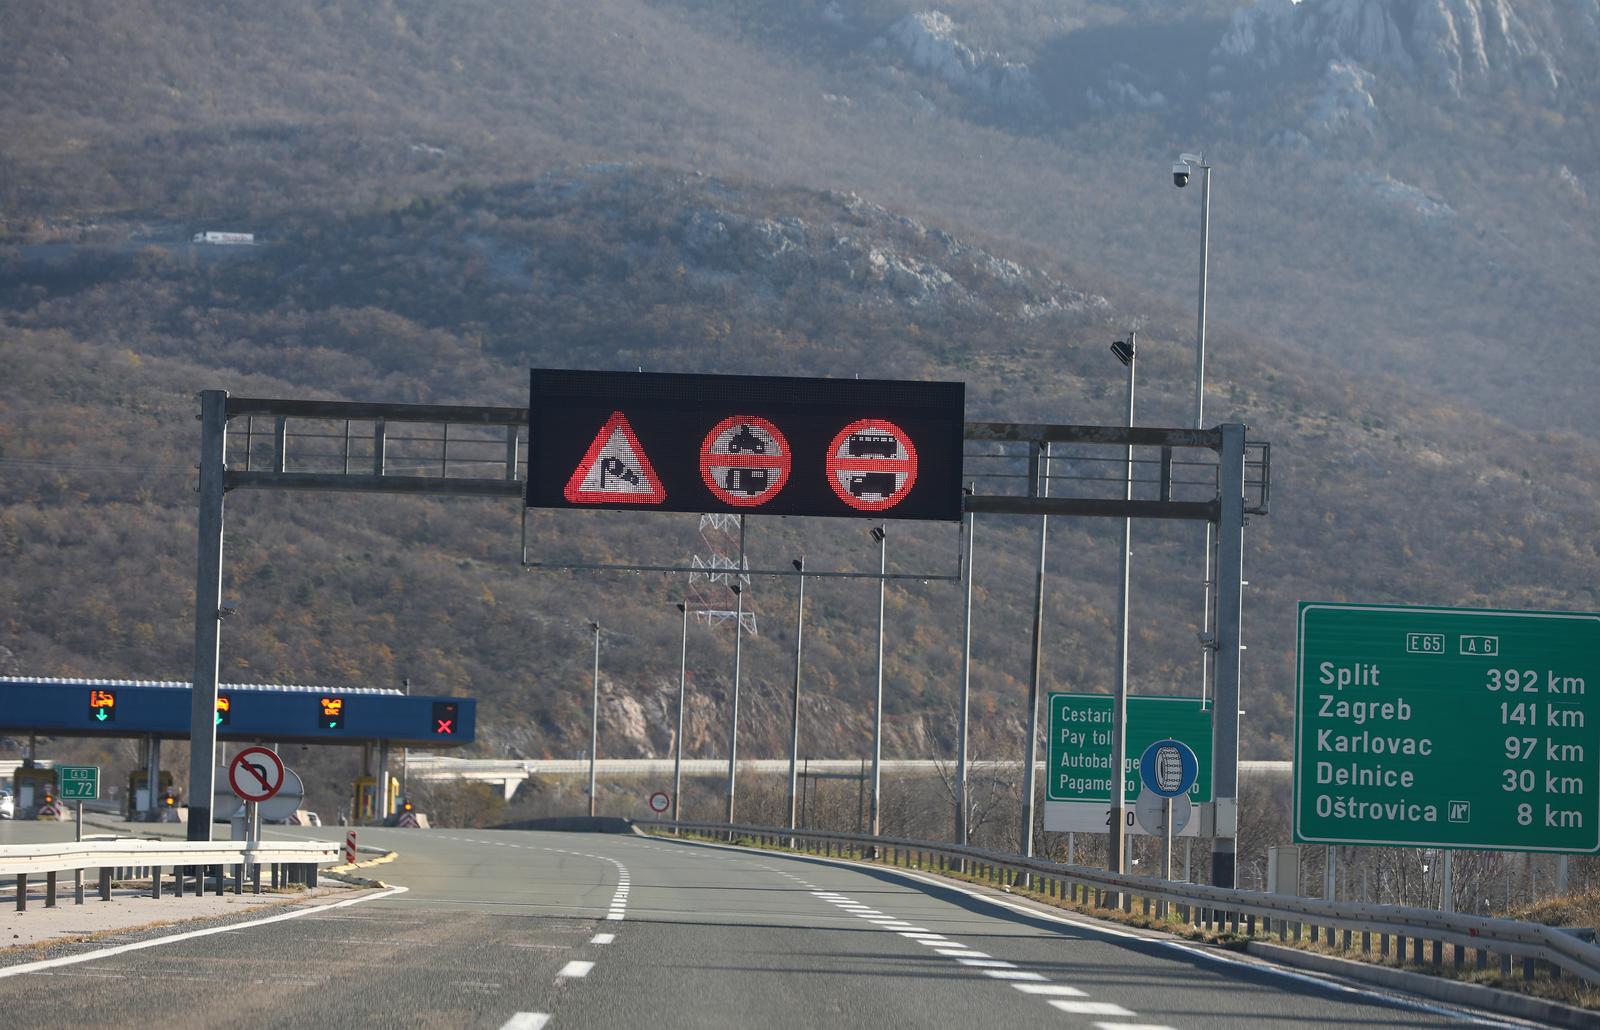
744 461
256 774
872 464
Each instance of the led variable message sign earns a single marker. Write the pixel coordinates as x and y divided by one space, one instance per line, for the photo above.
445 715
330 713
1447 727
224 710
745 444
103 705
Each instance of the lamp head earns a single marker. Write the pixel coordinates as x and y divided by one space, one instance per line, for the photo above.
1123 349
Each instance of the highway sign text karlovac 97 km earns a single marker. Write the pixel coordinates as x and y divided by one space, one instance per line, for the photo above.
1080 743
1447 727
79 782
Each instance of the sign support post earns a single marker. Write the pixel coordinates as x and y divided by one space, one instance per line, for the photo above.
1230 613
207 614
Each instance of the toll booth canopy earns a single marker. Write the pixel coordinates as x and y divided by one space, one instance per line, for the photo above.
245 711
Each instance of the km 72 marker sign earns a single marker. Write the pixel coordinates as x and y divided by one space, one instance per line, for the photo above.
1448 727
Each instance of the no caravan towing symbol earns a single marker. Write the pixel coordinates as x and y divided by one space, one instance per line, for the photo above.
745 460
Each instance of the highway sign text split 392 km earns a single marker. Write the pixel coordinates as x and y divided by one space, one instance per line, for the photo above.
1447 727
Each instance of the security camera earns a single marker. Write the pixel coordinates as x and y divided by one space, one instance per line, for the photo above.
1180 175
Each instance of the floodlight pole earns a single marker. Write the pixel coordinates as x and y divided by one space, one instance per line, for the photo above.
683 681
207 615
794 715
1039 484
1116 858
738 643
882 535
966 683
594 718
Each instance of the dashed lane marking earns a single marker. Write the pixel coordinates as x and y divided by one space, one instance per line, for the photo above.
579 968
526 1021
602 938
1090 1008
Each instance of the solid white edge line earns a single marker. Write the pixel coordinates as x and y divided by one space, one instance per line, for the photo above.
526 1021
90 956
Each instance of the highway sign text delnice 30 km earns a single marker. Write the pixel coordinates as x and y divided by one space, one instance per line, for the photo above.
765 445
1447 727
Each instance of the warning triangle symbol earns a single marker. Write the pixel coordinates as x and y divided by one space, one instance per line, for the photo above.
614 469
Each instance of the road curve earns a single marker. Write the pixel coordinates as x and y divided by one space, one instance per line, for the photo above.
519 929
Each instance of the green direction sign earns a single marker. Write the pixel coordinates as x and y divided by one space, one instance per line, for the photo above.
1447 727
1080 743
79 782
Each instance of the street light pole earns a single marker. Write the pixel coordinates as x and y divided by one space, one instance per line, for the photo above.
794 715
1115 856
966 683
1030 748
683 680
738 644
594 716
880 534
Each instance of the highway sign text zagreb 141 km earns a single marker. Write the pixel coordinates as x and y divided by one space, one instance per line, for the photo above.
1447 727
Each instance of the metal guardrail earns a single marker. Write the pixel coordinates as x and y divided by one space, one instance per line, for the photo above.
1563 952
291 861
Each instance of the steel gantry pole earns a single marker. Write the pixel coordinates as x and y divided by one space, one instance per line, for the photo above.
1116 857
966 683
1230 590
594 717
1040 485
881 535
738 644
207 615
683 681
794 714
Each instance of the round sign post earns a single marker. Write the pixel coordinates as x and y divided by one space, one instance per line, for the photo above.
872 464
744 461
1168 768
660 801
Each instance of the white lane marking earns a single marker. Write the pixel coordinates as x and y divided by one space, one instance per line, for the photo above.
1091 1008
526 1021
1061 990
602 938
922 935
90 956
1013 974
987 963
1132 1026
614 916
577 967
1259 968
960 952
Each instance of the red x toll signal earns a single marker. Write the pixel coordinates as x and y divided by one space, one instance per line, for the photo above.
444 718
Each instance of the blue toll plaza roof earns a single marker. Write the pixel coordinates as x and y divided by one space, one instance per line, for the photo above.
245 711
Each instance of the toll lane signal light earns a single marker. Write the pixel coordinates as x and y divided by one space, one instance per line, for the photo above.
103 705
444 718
331 713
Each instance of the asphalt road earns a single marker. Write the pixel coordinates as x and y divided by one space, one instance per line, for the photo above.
503 928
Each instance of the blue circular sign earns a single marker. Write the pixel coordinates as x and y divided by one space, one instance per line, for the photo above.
1169 768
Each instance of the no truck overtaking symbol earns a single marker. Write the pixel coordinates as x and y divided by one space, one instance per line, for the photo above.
872 464
659 802
745 461
256 774
615 469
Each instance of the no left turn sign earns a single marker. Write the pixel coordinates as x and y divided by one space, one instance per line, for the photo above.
256 774
872 464
744 461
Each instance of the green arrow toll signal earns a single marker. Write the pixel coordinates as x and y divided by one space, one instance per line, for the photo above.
100 714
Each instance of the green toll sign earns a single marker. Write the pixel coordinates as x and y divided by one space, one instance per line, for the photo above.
1080 743
1447 727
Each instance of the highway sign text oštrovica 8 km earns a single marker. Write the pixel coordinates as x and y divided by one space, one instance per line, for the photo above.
1447 727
